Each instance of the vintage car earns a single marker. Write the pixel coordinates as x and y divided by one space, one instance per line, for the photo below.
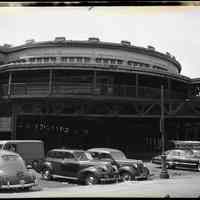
179 158
129 169
78 165
32 151
14 173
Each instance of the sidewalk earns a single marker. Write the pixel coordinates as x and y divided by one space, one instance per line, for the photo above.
182 187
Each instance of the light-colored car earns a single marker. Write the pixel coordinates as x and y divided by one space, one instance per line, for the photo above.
180 158
14 173
32 151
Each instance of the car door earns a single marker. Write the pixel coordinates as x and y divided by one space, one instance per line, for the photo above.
70 165
186 160
55 158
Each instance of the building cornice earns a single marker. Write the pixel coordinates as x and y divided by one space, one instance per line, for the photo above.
96 44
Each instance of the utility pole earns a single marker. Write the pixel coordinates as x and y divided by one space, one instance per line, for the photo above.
164 173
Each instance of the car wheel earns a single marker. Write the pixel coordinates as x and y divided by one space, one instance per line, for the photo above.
46 174
90 179
126 176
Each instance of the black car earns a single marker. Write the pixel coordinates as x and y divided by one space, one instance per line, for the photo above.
180 158
77 165
129 169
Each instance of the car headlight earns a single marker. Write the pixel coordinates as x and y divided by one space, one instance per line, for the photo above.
103 168
140 162
135 165
115 168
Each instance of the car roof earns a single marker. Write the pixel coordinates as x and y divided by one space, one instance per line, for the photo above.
104 150
18 141
5 152
67 150
179 150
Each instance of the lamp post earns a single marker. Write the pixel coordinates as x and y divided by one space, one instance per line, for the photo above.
164 173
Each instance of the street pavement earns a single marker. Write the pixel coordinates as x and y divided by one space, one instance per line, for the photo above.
182 184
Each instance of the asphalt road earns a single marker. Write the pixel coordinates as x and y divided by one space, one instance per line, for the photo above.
182 183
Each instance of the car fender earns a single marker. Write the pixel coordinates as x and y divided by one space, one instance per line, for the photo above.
129 169
92 169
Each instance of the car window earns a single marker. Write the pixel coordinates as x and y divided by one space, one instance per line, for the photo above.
118 155
59 154
68 155
95 155
83 156
10 147
174 153
10 157
104 156
51 154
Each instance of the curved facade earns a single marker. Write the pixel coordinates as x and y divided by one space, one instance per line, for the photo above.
77 88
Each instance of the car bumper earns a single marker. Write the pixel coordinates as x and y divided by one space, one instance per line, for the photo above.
22 184
142 176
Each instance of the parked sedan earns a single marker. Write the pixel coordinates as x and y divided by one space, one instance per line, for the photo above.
179 158
77 165
129 169
13 172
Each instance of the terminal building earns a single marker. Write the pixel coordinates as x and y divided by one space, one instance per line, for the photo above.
83 94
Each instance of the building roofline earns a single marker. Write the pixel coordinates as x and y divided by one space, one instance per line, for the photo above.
124 45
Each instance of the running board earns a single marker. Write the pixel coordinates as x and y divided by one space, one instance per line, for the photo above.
66 177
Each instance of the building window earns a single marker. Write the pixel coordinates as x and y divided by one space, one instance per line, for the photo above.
86 59
119 62
79 59
52 59
64 59
39 59
46 59
129 62
112 61
71 59
98 60
105 61
136 64
31 59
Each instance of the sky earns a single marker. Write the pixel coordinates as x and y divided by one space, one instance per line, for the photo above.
169 29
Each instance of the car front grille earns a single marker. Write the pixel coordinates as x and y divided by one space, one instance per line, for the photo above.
13 180
140 167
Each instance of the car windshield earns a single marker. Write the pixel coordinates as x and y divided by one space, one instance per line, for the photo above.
118 155
83 156
13 162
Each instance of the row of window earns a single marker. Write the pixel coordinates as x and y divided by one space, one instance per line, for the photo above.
87 60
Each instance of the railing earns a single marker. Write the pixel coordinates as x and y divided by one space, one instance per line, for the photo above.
63 88
94 64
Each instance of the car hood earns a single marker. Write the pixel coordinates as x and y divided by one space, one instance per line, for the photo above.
192 158
127 161
95 162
